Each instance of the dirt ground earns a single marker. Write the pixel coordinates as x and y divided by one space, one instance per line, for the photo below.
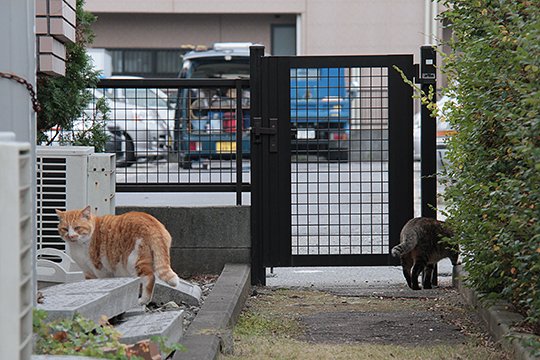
399 318
394 319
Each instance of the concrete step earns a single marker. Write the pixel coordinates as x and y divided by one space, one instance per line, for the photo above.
136 327
185 292
90 298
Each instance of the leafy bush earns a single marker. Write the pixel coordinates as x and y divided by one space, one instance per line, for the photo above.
63 99
83 337
493 192
77 336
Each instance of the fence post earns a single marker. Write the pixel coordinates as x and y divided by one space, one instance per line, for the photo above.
428 149
258 271
428 143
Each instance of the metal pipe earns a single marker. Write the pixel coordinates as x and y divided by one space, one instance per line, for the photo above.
427 22
434 27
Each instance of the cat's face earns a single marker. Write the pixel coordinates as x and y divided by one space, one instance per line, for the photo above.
76 226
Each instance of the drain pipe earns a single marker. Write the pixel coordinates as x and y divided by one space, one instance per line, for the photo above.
431 10
427 22
434 29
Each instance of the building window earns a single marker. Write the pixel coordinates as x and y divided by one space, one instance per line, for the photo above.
284 39
146 62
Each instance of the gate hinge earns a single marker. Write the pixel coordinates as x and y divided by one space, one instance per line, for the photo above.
271 131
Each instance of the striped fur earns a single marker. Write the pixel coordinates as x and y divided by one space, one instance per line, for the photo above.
132 244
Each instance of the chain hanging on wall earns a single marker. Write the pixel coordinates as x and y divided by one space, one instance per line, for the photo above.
29 87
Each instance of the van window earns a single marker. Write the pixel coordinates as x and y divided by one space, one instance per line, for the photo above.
216 68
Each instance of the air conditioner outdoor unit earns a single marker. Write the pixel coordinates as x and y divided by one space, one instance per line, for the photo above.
68 177
16 250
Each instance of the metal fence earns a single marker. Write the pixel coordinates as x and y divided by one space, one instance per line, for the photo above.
336 188
177 135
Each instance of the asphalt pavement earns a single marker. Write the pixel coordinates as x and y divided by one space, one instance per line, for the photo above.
368 277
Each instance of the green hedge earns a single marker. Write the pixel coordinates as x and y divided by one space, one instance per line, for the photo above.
494 184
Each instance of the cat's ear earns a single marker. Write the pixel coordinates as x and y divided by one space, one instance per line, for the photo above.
86 212
59 213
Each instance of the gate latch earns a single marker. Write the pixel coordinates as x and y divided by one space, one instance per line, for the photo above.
271 131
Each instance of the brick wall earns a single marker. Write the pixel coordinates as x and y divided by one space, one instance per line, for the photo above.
55 27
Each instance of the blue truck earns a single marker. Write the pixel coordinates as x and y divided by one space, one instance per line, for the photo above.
205 120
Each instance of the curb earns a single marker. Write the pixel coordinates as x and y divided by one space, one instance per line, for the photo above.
498 318
211 330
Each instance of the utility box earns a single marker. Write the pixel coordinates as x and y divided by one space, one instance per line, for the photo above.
71 177
16 250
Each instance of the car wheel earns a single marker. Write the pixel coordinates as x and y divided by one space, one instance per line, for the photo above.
129 154
186 163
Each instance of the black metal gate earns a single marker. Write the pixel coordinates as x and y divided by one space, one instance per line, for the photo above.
332 164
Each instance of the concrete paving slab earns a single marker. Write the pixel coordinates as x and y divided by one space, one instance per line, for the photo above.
90 298
139 327
61 357
93 285
185 292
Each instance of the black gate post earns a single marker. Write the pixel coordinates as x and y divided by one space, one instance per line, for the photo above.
428 151
428 142
258 271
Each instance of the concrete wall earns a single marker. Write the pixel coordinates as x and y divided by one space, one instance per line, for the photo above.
323 27
152 31
204 238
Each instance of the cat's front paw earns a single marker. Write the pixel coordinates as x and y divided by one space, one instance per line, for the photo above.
174 281
144 300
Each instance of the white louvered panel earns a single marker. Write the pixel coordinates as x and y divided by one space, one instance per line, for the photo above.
61 184
51 194
16 263
71 177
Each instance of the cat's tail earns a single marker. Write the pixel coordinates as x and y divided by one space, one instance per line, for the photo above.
162 266
404 247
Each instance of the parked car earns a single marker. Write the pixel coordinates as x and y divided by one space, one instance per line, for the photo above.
149 139
135 132
206 123
147 98
444 132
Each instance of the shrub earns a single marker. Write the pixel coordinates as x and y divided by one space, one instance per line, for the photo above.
82 337
77 336
64 99
493 191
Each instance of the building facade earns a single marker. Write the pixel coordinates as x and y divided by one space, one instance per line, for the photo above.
148 37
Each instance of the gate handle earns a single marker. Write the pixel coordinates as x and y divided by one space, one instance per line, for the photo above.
271 131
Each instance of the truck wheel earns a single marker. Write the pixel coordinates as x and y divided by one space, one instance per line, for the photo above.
338 155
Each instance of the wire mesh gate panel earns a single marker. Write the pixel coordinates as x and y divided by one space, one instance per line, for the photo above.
335 186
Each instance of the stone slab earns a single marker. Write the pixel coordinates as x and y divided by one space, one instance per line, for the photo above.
90 298
211 330
139 327
61 357
185 292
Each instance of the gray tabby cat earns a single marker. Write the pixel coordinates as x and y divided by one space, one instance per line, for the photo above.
421 248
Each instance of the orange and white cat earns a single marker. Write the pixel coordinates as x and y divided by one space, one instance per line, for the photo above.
131 244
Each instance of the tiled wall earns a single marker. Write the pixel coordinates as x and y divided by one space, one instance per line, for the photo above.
55 27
